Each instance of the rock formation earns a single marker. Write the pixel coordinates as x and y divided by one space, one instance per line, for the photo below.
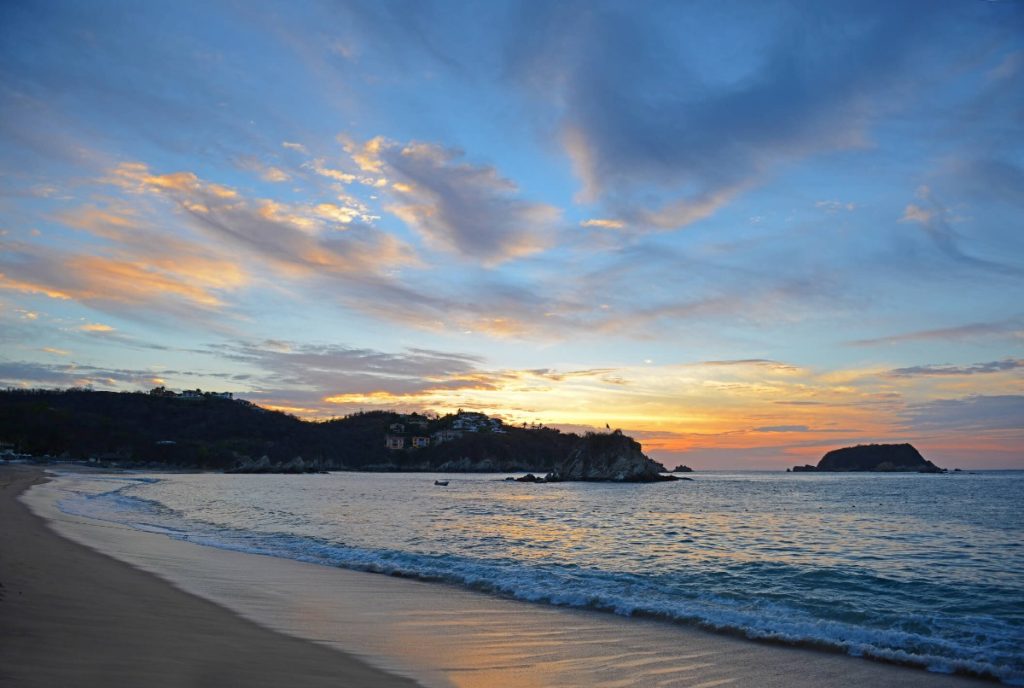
610 457
889 458
264 465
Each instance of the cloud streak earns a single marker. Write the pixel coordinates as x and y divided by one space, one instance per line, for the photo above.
465 209
950 370
1001 329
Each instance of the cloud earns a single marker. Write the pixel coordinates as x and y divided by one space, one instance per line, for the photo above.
973 413
332 369
915 213
756 362
26 375
945 370
783 428
466 209
640 106
178 284
835 206
177 244
288 236
1012 328
935 221
603 223
268 173
319 166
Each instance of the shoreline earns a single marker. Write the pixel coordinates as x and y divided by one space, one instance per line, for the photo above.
448 636
73 616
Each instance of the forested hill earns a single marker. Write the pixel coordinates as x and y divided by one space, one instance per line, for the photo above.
212 432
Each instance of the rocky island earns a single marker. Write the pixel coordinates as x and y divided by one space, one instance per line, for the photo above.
882 458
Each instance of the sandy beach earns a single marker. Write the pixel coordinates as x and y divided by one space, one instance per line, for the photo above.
72 616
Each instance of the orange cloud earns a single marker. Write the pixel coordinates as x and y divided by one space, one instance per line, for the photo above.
603 223
117 280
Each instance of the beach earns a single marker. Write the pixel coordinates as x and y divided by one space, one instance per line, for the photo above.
70 616
174 613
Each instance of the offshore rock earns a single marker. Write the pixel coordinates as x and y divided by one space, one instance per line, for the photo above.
264 465
608 457
889 458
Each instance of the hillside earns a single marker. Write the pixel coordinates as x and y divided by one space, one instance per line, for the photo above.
212 432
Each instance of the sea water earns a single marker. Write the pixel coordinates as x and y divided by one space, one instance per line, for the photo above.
918 569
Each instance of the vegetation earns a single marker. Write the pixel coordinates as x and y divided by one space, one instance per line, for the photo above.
211 432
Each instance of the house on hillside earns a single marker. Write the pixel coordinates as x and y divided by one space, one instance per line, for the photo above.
472 421
394 441
420 442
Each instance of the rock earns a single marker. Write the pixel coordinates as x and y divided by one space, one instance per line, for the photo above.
528 478
608 457
264 465
682 469
247 465
889 458
806 468
468 465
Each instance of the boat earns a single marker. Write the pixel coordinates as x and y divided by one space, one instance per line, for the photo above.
442 483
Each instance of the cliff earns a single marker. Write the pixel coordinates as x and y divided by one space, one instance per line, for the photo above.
608 457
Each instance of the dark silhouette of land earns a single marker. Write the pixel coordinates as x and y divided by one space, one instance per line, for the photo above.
139 429
881 458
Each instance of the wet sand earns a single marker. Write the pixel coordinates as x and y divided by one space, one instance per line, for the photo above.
70 616
445 636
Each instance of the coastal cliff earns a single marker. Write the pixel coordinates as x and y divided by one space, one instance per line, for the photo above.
883 458
610 457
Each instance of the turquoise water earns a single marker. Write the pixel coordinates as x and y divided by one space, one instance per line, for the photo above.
919 569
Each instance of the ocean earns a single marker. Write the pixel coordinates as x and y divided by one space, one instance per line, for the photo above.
917 569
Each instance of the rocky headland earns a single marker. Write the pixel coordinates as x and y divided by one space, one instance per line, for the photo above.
608 457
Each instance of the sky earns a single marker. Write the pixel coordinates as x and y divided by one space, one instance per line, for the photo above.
744 232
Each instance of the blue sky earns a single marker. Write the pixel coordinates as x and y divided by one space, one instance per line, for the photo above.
744 232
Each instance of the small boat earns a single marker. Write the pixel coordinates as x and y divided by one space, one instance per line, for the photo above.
442 483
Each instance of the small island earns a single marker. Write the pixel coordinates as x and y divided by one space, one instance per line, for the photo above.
881 458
